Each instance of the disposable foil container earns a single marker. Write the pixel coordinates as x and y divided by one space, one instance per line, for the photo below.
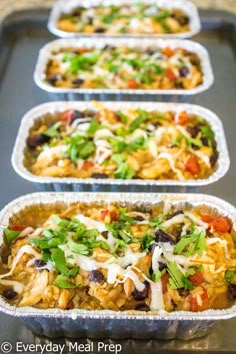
105 323
65 7
118 94
19 160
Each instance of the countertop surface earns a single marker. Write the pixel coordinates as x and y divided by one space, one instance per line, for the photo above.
8 6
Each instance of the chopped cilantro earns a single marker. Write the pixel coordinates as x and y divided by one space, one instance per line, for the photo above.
177 279
191 243
230 275
62 282
53 132
11 235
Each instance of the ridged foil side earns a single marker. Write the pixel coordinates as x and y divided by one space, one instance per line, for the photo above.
66 7
59 184
45 53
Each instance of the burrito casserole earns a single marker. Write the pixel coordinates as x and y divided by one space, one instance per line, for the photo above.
122 67
137 18
120 257
127 144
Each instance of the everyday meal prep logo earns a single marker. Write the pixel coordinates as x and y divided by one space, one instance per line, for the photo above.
70 347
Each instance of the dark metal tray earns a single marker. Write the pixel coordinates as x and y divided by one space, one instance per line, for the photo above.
23 34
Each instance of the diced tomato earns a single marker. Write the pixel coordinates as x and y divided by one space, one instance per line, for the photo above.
197 278
219 224
18 227
164 282
114 215
132 84
170 74
182 118
207 218
168 52
67 116
103 214
195 307
87 165
192 166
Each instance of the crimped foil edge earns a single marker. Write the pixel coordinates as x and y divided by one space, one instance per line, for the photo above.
214 203
61 6
44 56
35 113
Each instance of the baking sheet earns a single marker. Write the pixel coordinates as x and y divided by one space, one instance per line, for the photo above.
24 34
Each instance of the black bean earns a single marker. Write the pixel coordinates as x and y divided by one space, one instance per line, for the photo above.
99 175
9 294
90 20
96 276
205 141
77 115
177 212
183 20
100 30
179 85
193 130
162 236
162 266
231 292
194 59
138 218
89 113
209 233
104 234
150 51
214 158
77 82
142 307
184 71
183 292
108 47
54 78
141 295
39 263
152 248
37 140
77 12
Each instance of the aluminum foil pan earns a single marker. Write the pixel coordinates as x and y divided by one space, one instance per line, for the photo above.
76 184
105 323
61 7
72 93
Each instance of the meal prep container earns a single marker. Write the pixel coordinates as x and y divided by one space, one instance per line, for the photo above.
117 94
75 184
66 7
105 323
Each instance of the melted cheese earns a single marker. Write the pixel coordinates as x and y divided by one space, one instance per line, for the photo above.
157 302
170 158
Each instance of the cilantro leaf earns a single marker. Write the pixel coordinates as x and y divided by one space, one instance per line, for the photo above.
177 279
93 127
59 260
11 235
157 221
191 243
78 248
53 132
156 276
147 241
62 282
230 275
122 117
